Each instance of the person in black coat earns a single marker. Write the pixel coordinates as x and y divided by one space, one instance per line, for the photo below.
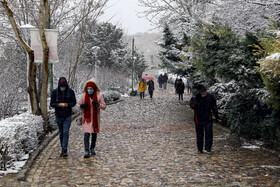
180 88
151 88
63 99
204 104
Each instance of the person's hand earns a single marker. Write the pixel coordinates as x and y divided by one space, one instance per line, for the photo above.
95 103
217 120
63 105
82 106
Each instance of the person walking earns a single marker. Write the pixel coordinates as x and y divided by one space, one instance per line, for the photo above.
189 88
175 84
164 80
91 102
160 81
151 88
142 87
204 104
180 88
62 100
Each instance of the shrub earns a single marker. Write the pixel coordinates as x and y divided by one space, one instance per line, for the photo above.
21 135
110 96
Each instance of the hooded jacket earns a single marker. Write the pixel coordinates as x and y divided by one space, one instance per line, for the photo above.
66 96
88 127
142 86
204 107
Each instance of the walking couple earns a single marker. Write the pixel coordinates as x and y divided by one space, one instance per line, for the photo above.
63 99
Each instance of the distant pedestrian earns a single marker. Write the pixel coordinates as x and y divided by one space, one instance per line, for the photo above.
189 88
164 80
160 81
180 88
204 104
91 102
175 84
142 87
63 99
151 88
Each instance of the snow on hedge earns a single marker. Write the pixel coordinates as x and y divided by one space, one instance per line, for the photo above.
21 134
110 96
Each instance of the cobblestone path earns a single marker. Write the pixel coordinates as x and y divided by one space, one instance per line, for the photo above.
152 143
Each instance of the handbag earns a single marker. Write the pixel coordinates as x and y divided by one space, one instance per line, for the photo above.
79 120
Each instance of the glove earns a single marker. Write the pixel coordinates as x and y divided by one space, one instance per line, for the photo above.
95 103
82 106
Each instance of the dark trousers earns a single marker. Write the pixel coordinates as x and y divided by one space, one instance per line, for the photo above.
63 128
151 93
180 96
206 128
142 95
93 140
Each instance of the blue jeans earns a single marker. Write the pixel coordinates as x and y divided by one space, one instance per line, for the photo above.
63 127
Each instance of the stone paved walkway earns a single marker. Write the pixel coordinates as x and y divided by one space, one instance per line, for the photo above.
152 143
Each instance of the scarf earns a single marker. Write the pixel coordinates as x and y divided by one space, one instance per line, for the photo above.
87 111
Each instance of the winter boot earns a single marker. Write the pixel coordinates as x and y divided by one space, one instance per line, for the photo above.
87 154
92 151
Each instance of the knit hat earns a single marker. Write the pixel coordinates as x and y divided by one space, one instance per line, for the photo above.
201 88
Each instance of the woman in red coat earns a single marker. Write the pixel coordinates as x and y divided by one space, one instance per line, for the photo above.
91 102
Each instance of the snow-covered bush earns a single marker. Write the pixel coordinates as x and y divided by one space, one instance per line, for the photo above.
21 133
110 96
270 72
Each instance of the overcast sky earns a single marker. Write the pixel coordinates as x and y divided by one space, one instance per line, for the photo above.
124 13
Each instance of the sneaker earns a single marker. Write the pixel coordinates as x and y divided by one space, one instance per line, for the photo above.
61 154
92 152
208 151
87 154
64 155
199 152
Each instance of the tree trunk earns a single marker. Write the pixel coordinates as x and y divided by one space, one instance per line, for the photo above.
32 89
44 15
104 76
72 76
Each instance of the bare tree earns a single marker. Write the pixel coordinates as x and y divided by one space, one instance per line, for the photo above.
32 90
241 15
160 12
90 11
67 15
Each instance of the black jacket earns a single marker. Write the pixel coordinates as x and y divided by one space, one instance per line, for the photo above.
203 108
151 85
180 87
67 96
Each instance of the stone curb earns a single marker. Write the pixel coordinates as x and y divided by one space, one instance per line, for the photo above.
21 175
114 102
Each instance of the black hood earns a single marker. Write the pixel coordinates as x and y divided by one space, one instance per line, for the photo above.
62 82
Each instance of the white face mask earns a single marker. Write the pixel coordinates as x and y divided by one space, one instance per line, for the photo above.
203 95
62 89
90 92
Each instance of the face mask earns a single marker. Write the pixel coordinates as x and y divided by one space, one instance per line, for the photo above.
62 89
203 95
90 92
